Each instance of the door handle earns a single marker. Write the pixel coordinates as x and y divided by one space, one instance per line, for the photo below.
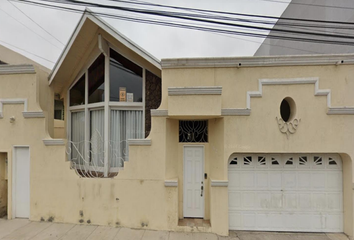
201 188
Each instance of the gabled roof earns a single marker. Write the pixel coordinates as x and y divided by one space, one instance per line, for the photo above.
87 27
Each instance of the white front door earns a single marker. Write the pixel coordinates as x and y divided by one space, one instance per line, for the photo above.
21 182
193 182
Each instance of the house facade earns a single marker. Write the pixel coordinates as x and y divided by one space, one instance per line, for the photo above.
251 143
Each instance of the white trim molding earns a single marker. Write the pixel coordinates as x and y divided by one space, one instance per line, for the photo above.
219 183
39 114
125 41
16 69
12 101
159 113
171 183
341 111
54 142
293 81
201 90
259 61
25 113
235 112
139 142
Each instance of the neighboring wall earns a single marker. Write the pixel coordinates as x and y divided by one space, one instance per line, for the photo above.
326 10
45 95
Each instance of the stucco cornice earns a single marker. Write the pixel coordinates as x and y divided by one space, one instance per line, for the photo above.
39 114
219 183
139 142
259 61
338 110
203 90
341 111
235 112
159 113
54 142
171 183
16 69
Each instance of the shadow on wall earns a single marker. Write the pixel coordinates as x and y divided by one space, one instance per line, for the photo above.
3 184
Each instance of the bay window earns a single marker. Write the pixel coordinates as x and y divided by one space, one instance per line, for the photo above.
106 108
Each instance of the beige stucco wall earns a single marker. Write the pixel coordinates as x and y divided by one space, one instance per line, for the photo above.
45 95
259 132
138 197
59 129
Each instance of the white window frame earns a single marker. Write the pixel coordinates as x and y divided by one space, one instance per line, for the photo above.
107 105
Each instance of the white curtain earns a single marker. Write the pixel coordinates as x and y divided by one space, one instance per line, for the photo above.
97 138
78 137
124 125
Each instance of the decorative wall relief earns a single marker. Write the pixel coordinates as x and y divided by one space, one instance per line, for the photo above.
289 127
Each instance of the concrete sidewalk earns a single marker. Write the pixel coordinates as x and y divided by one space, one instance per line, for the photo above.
22 229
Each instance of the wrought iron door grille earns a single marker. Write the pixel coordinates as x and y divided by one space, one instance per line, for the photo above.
193 131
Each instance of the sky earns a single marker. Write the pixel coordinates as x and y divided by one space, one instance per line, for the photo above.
43 35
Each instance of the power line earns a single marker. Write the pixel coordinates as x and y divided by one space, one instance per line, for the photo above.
224 31
231 13
27 51
29 28
247 20
35 22
307 4
196 18
279 23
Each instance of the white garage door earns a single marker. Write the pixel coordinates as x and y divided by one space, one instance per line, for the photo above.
290 192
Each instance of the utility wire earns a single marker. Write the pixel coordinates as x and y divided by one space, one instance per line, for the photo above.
280 23
307 4
35 22
29 28
193 17
27 51
218 16
232 13
225 31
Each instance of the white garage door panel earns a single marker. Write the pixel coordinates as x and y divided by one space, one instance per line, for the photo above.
299 192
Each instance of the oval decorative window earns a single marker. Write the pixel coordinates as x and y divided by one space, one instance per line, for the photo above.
287 109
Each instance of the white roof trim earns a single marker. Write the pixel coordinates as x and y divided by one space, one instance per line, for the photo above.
112 31
67 48
296 60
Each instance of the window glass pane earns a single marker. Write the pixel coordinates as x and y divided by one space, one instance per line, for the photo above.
58 110
126 79
77 137
96 81
124 125
97 138
77 92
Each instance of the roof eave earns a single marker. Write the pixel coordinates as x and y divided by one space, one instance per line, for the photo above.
259 61
110 30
